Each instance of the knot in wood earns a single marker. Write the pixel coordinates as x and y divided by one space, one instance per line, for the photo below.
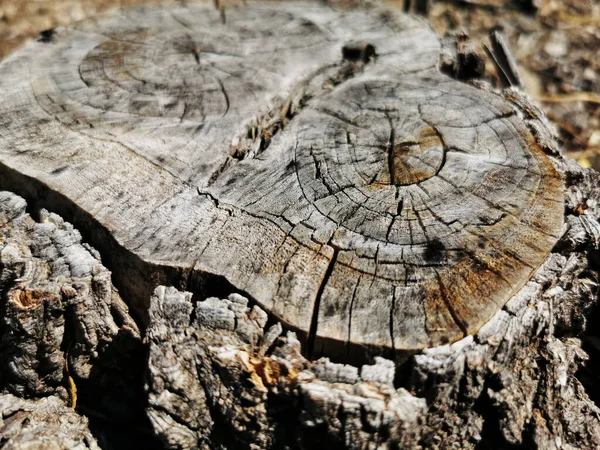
358 52
367 203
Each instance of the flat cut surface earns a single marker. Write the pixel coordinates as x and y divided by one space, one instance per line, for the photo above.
315 159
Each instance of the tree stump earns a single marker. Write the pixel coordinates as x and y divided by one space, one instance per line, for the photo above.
309 158
314 166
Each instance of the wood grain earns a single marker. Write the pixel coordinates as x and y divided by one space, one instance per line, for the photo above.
315 159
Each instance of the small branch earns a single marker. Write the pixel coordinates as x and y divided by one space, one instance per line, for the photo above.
505 63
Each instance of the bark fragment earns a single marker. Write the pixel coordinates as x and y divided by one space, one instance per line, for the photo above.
65 332
44 424
210 380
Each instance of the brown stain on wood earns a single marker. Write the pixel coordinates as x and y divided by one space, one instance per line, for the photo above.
402 172
30 298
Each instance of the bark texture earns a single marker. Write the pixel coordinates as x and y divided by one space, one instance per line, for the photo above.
64 330
270 184
45 424
220 375
217 374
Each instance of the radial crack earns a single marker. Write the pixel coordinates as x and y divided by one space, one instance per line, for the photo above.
315 314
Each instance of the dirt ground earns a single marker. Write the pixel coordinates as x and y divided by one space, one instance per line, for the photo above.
556 43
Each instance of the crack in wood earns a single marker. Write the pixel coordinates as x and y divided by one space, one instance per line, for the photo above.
312 333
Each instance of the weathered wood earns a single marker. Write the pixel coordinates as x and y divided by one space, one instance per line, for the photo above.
316 160
218 375
360 105
44 424
66 337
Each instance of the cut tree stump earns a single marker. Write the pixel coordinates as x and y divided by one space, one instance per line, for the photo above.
247 169
316 161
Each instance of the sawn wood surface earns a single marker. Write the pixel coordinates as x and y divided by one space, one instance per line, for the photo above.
315 159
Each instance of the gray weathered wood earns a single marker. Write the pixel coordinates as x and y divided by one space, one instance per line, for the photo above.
316 160
218 375
45 424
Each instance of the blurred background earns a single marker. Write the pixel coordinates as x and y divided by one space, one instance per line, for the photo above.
555 42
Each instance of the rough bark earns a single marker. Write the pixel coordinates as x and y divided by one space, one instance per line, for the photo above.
316 171
64 329
45 424
512 385
218 375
